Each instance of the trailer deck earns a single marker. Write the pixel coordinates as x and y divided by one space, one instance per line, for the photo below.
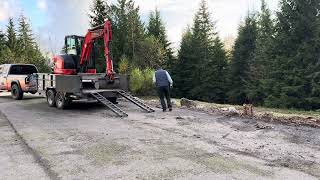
62 89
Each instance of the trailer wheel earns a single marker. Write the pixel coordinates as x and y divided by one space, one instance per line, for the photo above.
51 98
61 101
16 92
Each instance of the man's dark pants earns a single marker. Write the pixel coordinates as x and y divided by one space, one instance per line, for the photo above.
164 92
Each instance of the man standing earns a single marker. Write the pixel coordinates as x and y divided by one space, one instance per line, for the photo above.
163 81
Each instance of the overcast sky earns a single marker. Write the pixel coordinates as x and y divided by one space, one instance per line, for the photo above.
53 19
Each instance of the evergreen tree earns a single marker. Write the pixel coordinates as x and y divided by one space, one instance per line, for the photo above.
183 72
257 89
150 53
202 60
128 30
25 40
157 29
214 84
39 59
297 55
243 58
2 40
209 58
21 46
100 11
3 47
12 42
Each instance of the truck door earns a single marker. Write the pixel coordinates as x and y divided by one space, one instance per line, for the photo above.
3 78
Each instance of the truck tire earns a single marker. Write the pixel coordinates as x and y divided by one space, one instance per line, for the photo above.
16 92
61 101
51 95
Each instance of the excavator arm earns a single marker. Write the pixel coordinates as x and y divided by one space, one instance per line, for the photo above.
105 32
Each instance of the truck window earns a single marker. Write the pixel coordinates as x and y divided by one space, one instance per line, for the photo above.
22 69
1 69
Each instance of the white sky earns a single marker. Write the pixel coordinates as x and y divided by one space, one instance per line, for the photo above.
53 19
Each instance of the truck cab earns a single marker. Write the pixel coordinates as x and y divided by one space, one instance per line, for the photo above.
16 78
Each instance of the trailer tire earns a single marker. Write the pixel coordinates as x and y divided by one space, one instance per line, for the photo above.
61 101
51 97
16 92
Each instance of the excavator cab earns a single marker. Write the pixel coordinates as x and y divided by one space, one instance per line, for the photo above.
82 50
73 45
70 57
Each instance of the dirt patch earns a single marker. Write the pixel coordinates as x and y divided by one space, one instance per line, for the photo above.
314 168
108 152
239 111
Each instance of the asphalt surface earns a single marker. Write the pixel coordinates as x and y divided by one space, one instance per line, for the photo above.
87 141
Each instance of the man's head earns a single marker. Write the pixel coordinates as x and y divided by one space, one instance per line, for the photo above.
158 66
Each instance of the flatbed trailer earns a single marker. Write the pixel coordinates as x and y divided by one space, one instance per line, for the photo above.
61 90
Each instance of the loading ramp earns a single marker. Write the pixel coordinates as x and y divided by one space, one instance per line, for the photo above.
114 108
109 104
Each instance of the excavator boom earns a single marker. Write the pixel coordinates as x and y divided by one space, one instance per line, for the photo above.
102 31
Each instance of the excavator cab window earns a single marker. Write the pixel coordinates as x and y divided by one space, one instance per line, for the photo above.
73 45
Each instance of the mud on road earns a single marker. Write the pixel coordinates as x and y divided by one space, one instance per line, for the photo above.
88 142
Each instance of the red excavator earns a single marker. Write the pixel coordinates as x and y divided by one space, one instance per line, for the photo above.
78 57
75 76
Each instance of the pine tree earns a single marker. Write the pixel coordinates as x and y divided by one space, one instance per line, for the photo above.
150 53
257 89
214 85
39 59
2 40
3 46
202 60
12 42
25 40
209 58
157 29
297 54
128 30
100 11
183 72
243 58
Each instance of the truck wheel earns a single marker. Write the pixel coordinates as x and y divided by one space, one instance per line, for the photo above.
61 101
16 92
51 98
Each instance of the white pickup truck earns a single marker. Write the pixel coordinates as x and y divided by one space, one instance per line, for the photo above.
16 78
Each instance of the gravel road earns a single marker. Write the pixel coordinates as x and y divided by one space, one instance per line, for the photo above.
87 141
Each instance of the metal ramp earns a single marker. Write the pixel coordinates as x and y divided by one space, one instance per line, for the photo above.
109 104
135 101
